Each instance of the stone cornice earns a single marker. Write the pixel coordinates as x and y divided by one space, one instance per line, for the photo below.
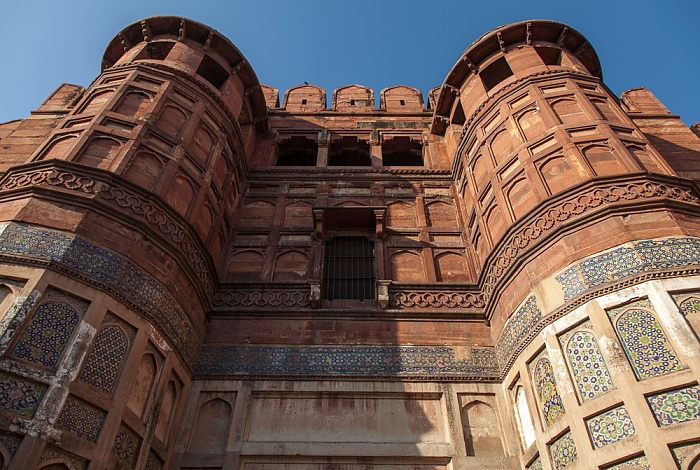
121 200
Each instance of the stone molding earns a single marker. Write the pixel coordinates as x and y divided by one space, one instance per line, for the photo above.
579 205
119 194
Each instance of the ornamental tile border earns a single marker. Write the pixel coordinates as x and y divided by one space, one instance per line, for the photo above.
403 361
626 261
11 442
108 271
677 406
610 427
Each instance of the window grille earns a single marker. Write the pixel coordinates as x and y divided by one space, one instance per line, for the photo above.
348 271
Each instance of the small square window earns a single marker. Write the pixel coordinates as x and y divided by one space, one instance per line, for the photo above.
303 102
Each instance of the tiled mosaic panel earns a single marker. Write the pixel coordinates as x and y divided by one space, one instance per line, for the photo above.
563 452
346 360
153 462
611 426
109 271
647 347
105 359
49 329
550 401
10 442
126 445
82 419
587 363
689 305
629 260
516 329
75 462
638 462
20 396
536 465
682 452
688 302
677 406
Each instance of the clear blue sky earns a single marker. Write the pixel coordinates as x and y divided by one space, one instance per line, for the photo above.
329 43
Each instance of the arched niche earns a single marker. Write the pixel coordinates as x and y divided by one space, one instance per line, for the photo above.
298 214
407 266
291 266
568 111
246 265
440 214
142 385
401 214
211 427
451 267
100 152
481 433
144 169
558 174
603 160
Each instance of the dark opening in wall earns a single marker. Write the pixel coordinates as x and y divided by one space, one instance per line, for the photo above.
402 151
297 151
458 117
348 271
350 151
495 73
549 55
158 50
214 73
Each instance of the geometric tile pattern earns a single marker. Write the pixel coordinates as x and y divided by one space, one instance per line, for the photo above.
10 442
216 360
683 451
611 426
20 396
627 261
638 462
74 462
516 329
677 406
536 465
563 452
586 362
550 401
645 342
106 270
688 302
105 359
126 445
47 334
153 462
82 419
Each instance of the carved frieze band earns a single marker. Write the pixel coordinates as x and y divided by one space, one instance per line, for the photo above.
438 299
434 362
105 270
147 211
583 202
267 297
597 275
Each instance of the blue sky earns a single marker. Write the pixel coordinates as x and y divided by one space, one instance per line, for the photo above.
376 43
